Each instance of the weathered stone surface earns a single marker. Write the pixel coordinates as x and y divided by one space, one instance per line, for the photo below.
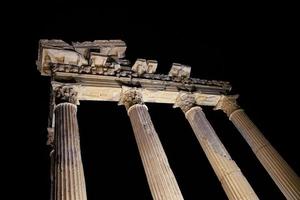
97 60
99 71
114 48
161 180
279 170
227 104
185 101
130 97
229 174
103 58
142 66
180 71
109 88
68 176
56 55
50 140
65 93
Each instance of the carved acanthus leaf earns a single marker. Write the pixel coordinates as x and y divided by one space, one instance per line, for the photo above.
130 97
65 93
185 101
227 104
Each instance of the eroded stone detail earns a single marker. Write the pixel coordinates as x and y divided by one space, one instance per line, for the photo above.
160 177
56 55
179 71
107 57
233 181
185 101
68 173
51 116
50 136
143 66
279 170
65 93
227 104
130 97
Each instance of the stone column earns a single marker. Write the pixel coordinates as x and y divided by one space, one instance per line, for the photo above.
68 176
282 174
161 180
229 174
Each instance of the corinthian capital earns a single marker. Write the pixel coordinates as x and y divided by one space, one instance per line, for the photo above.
185 101
130 97
227 104
65 93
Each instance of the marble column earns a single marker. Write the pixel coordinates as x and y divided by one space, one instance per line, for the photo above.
282 174
161 180
68 176
229 174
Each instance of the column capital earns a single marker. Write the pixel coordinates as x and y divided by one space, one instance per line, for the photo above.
65 93
130 96
185 101
227 104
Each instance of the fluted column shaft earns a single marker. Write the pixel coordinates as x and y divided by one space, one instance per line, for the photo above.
161 179
69 181
233 181
282 174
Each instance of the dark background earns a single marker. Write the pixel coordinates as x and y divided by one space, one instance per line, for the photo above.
254 49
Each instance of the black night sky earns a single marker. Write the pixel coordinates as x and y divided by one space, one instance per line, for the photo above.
253 50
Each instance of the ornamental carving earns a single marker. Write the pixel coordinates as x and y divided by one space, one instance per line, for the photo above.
227 104
130 97
107 58
65 93
185 101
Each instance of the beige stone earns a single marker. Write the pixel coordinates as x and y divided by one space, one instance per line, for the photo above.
98 71
142 66
229 174
105 90
180 71
161 180
68 177
279 170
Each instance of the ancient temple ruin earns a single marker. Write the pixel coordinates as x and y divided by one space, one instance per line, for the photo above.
99 71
